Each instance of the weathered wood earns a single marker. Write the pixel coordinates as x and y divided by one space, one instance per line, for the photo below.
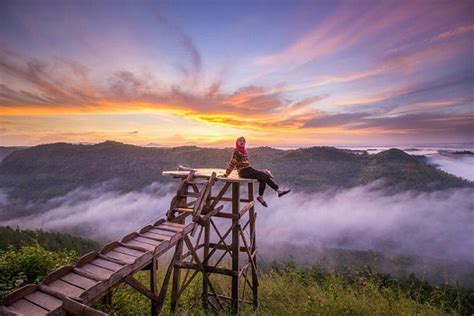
201 267
147 240
213 245
207 268
235 247
109 265
140 288
253 246
163 226
137 248
121 256
57 274
25 307
79 280
153 280
140 244
246 208
46 301
88 275
87 258
160 231
76 308
156 236
5 311
21 292
100 272
176 277
65 288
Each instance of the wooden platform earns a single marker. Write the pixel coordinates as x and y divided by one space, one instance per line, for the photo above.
207 172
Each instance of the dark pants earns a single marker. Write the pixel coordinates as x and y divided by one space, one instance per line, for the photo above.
262 177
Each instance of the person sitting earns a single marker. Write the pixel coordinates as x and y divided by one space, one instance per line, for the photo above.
240 161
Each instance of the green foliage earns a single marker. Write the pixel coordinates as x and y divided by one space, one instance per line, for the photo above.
29 264
284 290
52 241
46 171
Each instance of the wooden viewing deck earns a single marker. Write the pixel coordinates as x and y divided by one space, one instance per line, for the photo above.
73 289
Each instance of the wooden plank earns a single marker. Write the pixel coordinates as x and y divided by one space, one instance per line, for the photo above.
121 256
106 264
161 232
101 272
145 240
87 258
140 244
25 307
19 293
169 228
157 236
44 300
137 248
75 308
87 274
57 274
173 224
130 252
66 288
79 280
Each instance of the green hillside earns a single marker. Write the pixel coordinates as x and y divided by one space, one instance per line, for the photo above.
46 171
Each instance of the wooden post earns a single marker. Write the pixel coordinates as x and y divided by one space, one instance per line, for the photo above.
253 247
205 286
176 277
153 268
235 246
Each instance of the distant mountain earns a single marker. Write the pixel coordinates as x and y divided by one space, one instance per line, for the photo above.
45 171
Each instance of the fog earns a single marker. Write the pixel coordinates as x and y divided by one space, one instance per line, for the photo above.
459 165
438 224
98 213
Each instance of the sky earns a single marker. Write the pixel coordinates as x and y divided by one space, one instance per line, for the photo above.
280 73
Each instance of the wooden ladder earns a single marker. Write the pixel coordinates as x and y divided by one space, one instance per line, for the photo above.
197 207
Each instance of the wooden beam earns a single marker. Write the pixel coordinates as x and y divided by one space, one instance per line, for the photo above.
253 247
76 308
130 280
153 280
235 247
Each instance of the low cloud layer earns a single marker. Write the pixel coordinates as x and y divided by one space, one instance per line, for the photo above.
99 213
459 165
437 224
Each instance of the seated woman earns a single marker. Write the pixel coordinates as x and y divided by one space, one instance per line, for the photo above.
240 161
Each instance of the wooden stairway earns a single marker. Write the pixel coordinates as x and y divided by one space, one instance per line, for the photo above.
72 289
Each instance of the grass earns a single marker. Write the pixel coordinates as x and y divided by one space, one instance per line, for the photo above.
294 291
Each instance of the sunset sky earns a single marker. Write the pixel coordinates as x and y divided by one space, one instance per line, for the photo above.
205 72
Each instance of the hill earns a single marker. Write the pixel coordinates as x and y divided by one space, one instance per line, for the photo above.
4 151
45 171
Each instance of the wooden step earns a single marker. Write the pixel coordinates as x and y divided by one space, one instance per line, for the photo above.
66 288
44 300
25 307
79 280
